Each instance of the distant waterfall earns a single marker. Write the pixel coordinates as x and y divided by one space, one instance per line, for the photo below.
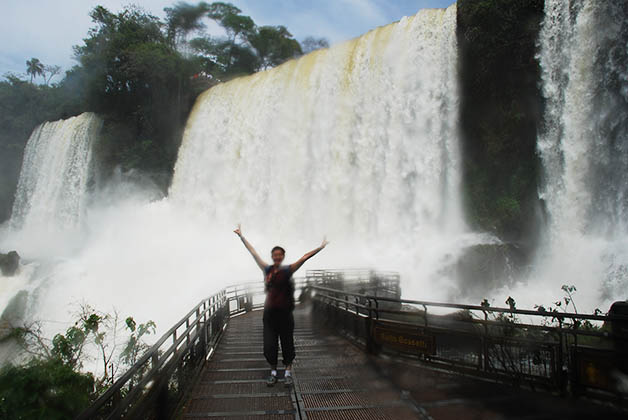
55 170
584 144
359 141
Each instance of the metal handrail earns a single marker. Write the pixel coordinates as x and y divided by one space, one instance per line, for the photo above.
503 350
197 322
203 314
546 314
138 389
211 306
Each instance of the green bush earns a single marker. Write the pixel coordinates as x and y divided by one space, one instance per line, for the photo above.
43 389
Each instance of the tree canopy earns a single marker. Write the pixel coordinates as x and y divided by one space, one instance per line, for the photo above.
142 74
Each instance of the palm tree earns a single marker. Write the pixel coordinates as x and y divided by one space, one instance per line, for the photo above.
34 67
184 18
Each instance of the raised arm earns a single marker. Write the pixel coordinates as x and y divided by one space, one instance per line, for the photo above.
296 265
260 263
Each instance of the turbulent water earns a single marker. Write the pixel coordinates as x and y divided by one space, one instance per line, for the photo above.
52 190
584 147
358 142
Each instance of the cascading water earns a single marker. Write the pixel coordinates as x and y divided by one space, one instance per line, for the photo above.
584 148
53 182
49 206
359 141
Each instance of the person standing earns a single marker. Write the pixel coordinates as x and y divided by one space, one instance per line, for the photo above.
278 306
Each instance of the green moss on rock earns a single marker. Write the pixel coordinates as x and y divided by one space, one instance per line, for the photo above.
501 109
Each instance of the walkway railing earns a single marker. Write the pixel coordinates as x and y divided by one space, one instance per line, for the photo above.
564 352
153 388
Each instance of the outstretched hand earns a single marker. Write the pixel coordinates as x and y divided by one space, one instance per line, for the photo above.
238 230
325 242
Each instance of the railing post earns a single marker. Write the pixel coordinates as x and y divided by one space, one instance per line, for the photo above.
560 373
356 318
198 319
370 342
484 341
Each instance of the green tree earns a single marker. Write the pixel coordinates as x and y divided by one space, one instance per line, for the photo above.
237 26
274 45
44 389
135 345
183 18
310 44
49 72
138 73
51 385
34 68
231 20
69 347
137 79
247 47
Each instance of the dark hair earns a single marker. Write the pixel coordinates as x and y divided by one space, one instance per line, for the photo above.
283 251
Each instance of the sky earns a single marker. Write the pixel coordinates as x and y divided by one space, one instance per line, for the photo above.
47 29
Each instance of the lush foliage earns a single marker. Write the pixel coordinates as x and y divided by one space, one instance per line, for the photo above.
501 108
52 384
247 47
131 74
43 389
142 74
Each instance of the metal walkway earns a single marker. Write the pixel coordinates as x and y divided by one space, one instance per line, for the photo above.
333 379
365 353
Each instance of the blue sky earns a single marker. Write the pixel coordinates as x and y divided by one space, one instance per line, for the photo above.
47 29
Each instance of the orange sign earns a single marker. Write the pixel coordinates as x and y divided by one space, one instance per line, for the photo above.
404 339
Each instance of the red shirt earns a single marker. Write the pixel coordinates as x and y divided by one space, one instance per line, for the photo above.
279 287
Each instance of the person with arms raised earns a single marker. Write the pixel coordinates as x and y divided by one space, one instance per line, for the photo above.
278 306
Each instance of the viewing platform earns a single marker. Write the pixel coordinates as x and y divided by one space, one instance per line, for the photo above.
364 353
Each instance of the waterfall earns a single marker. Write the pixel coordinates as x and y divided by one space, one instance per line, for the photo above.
584 146
359 141
51 192
48 214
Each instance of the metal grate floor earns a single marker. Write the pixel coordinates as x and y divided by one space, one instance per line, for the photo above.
336 380
333 379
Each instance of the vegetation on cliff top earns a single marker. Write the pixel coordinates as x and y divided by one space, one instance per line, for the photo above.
142 74
51 382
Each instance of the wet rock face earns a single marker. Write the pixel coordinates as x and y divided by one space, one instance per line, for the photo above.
13 315
9 263
484 268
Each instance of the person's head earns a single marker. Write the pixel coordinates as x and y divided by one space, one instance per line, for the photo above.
278 254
